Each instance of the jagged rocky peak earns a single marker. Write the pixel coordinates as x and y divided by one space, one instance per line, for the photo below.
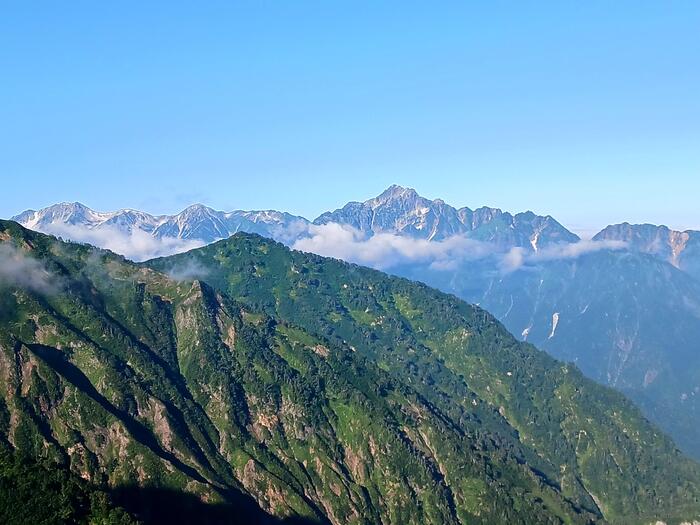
264 216
398 210
195 222
644 235
395 192
25 216
409 198
403 211
67 209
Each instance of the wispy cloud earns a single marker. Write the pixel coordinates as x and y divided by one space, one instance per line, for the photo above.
137 245
518 257
385 251
20 269
187 271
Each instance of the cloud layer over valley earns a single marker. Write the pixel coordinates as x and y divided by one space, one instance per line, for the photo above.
136 245
385 251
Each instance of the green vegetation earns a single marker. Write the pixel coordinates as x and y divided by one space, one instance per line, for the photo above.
314 390
45 494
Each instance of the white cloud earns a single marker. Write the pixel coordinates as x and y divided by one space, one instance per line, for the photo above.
577 249
136 245
188 271
22 270
512 260
518 257
290 232
385 251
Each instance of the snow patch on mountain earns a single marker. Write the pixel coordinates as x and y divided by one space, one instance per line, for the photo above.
140 236
555 323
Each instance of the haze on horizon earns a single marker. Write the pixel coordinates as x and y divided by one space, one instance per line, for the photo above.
588 113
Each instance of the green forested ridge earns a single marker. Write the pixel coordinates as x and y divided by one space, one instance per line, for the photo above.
316 389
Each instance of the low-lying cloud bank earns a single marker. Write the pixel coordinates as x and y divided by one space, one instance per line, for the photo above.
518 257
21 270
385 250
137 245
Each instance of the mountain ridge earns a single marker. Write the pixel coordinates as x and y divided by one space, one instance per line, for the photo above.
319 388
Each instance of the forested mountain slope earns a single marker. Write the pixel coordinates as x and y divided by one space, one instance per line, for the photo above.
274 383
458 358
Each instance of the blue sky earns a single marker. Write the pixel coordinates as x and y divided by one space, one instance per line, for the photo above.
589 111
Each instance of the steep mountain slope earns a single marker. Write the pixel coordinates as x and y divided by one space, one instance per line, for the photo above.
580 439
321 390
681 249
626 319
642 334
137 380
41 494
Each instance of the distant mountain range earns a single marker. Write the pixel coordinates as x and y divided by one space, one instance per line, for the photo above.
196 222
402 211
625 306
397 210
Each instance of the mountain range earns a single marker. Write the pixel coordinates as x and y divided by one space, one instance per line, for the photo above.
397 210
624 306
402 211
266 384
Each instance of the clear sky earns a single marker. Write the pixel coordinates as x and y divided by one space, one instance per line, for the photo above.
589 111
